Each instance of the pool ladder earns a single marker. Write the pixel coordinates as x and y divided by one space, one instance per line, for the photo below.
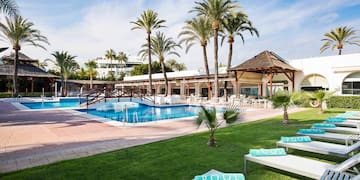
126 118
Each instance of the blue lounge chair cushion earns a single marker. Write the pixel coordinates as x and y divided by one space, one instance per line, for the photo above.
311 131
335 119
296 139
221 176
323 125
268 152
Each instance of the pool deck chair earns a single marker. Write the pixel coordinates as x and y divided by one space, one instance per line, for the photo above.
348 123
218 175
342 138
335 175
300 165
343 130
322 147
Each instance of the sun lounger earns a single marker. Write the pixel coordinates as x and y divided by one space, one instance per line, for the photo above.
343 138
343 130
217 175
300 165
322 147
335 175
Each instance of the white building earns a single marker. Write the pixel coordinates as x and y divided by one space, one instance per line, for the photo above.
340 73
105 66
261 73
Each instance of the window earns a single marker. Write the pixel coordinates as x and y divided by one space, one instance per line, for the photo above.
314 82
351 84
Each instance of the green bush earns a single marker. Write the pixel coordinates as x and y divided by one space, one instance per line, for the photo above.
30 94
352 102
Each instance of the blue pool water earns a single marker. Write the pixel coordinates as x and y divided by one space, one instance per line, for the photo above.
63 103
145 113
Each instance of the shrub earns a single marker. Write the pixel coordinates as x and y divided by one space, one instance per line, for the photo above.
352 102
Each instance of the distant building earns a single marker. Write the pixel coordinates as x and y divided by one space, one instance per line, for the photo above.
105 66
32 78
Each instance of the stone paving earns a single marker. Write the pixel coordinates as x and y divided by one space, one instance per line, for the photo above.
33 138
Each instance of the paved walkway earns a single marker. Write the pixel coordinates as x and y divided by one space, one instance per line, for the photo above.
33 138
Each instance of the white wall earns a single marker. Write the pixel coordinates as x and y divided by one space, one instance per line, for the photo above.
333 68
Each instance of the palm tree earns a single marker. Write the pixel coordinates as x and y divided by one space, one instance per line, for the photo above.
160 47
9 7
282 99
209 118
198 30
148 21
70 66
173 65
318 97
339 37
215 10
235 24
63 61
20 32
91 70
110 54
122 57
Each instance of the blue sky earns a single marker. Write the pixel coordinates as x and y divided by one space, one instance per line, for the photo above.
291 28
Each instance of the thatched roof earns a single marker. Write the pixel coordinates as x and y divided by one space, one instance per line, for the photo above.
22 57
264 62
27 70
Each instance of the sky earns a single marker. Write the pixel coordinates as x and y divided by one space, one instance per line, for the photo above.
291 28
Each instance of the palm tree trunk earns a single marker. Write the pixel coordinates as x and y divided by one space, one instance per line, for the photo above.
149 65
286 116
91 80
16 64
212 138
340 51
320 107
207 71
62 81
216 73
228 67
165 77
65 88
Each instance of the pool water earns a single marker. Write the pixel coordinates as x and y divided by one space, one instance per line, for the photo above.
145 113
62 103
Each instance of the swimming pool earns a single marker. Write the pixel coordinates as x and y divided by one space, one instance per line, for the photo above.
144 113
62 103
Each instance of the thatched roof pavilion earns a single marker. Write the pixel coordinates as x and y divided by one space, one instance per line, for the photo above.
268 63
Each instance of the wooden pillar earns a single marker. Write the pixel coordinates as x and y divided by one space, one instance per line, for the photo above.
293 81
32 85
270 79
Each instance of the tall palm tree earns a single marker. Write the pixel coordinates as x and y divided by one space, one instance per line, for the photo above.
148 21
339 37
160 47
110 54
215 10
235 24
20 32
9 7
198 30
66 64
91 70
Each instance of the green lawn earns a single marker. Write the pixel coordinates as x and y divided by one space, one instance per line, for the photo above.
185 157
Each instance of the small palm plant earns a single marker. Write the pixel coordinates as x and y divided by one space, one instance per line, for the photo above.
209 118
282 99
318 97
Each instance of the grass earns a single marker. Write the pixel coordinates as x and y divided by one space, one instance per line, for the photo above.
187 156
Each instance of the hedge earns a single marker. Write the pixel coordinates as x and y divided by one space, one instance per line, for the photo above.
352 102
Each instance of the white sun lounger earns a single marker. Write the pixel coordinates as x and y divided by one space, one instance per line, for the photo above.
343 130
343 138
300 165
322 147
348 123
